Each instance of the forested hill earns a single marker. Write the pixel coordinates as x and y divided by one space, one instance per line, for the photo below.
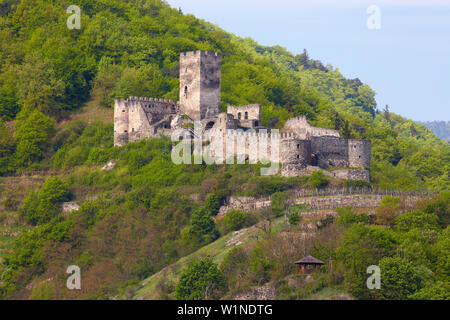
132 48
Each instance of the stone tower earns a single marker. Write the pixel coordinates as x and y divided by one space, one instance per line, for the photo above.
200 74
359 153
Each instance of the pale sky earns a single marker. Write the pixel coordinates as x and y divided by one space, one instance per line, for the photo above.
407 61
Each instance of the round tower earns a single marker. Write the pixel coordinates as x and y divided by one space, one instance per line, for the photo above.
295 155
359 153
120 123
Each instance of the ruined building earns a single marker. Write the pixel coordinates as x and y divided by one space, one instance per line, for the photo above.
302 147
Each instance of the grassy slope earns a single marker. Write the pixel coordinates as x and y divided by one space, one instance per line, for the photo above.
216 250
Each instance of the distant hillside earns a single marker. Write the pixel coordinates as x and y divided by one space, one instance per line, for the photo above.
440 128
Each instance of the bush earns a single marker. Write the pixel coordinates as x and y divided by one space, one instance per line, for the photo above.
399 279
279 204
348 216
33 133
201 230
212 203
416 219
266 186
39 209
201 280
318 180
29 207
387 210
294 219
234 220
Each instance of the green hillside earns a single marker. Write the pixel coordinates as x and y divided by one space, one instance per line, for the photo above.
57 87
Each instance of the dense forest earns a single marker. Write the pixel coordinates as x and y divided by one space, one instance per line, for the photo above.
147 212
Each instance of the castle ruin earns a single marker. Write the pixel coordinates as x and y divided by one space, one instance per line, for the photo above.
303 147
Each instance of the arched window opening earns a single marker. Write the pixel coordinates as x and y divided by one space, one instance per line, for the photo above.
246 116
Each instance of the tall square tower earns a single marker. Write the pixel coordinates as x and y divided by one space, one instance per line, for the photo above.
200 76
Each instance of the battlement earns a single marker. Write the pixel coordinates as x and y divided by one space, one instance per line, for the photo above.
199 53
147 99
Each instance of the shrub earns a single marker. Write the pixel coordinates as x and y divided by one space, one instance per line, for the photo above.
266 186
348 216
235 266
416 219
29 207
33 133
200 280
234 220
259 266
318 180
212 203
201 230
294 219
356 184
39 209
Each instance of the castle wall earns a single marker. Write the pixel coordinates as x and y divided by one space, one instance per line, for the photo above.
253 112
330 151
295 156
137 118
305 130
359 153
200 76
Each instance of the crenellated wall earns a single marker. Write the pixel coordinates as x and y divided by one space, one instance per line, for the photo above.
141 117
295 156
247 116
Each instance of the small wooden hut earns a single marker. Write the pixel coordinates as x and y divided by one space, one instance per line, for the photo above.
308 265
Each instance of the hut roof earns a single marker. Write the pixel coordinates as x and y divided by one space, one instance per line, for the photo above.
309 260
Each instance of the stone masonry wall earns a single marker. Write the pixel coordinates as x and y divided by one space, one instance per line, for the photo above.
330 203
253 112
304 130
137 117
330 151
359 153
350 174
